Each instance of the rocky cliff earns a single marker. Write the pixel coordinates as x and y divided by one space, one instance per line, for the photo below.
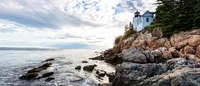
149 59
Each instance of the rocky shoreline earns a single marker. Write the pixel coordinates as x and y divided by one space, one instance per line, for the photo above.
41 73
33 73
149 59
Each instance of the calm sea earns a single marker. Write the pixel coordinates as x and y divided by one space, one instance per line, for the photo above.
15 62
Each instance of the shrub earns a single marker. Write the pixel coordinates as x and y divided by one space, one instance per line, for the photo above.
117 39
128 33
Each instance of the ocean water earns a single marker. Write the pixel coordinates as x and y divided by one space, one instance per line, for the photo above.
16 62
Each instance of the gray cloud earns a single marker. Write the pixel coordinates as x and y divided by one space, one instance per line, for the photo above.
34 14
65 36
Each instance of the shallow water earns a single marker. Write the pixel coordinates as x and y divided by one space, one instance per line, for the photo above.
14 63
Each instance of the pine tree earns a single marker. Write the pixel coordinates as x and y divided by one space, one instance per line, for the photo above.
197 15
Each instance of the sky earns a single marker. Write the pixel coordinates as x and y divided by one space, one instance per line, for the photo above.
66 23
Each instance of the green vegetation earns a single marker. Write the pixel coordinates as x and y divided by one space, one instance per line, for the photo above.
178 15
153 26
117 39
127 33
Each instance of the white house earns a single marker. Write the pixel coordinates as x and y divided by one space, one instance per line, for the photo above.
141 21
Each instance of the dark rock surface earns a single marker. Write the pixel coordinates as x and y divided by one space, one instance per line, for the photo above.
84 61
178 77
50 59
28 76
89 67
33 73
101 73
111 76
78 67
132 73
49 79
48 74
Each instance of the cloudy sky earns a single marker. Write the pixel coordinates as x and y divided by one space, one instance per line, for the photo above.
66 23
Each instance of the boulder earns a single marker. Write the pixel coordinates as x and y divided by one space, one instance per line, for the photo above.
78 67
189 50
89 67
100 57
194 40
178 77
158 43
157 32
174 52
180 63
47 74
111 76
133 55
49 79
128 73
35 70
46 65
179 40
50 59
114 59
167 55
84 61
157 54
28 76
101 73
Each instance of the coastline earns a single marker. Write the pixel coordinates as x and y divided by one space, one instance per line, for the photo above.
148 58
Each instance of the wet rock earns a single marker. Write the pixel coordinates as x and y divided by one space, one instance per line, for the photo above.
28 76
101 73
78 67
47 74
35 70
178 77
100 57
84 61
111 76
129 73
89 67
49 79
50 59
46 65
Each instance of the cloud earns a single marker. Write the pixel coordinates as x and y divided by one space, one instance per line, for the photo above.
79 22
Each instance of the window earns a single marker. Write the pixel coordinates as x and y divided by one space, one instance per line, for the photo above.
147 19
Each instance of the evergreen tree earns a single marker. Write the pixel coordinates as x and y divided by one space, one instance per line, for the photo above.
178 15
197 15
